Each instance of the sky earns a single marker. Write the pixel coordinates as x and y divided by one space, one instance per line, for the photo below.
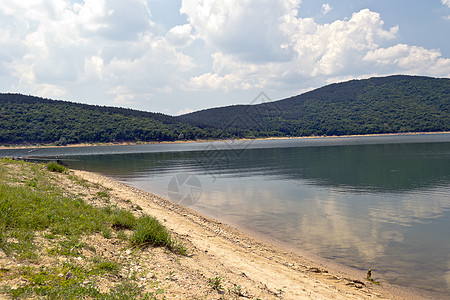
178 56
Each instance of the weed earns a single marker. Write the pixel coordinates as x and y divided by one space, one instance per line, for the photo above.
369 277
55 167
102 194
32 183
104 266
71 247
236 290
106 232
216 283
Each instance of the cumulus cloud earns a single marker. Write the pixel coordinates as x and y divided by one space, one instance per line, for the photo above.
55 47
114 53
320 50
341 49
113 19
180 35
326 8
410 59
248 29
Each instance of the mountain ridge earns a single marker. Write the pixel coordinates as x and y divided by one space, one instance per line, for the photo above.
390 104
344 103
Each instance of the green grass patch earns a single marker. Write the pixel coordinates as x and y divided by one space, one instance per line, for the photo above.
23 209
55 167
149 232
33 205
72 281
102 266
122 219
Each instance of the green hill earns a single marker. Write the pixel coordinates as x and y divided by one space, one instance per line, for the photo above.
28 119
376 105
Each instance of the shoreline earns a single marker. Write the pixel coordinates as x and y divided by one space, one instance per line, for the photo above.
209 141
278 267
330 266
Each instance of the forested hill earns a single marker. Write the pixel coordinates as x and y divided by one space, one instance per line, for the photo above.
376 105
28 119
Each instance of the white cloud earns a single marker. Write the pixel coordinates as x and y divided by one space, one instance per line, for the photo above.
446 3
410 59
326 8
55 48
320 50
113 19
112 52
184 111
180 36
249 29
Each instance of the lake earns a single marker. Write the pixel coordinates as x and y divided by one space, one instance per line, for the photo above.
380 203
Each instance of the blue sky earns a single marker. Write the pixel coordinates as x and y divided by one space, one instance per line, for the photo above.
184 55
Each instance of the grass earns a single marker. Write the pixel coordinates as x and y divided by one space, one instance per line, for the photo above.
33 205
122 219
55 167
71 281
216 283
149 232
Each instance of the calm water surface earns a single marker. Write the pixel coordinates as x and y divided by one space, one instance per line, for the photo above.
381 203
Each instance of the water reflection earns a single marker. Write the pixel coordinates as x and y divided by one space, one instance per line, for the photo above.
368 168
384 207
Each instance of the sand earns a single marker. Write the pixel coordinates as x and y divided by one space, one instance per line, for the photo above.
258 269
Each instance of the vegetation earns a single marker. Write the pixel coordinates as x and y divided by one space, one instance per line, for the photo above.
369 277
54 167
34 208
216 283
378 105
149 232
28 119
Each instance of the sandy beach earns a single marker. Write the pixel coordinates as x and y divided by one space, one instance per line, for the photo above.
261 270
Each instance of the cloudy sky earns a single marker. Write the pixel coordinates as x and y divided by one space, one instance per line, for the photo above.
176 56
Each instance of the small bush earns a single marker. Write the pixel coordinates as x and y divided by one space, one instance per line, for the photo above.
149 232
54 167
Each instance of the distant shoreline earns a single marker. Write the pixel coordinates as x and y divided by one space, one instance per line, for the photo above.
206 141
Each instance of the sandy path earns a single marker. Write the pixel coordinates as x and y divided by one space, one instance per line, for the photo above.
262 270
